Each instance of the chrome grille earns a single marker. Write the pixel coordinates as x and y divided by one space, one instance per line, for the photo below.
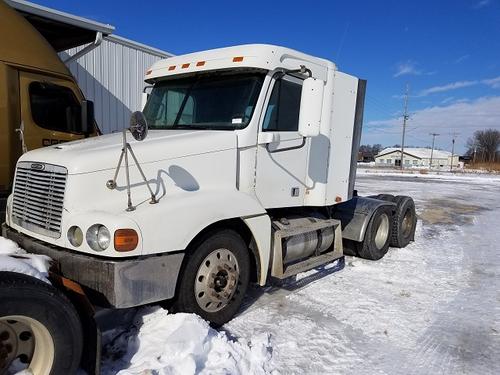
38 197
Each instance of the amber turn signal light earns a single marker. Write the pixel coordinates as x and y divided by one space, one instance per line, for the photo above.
126 240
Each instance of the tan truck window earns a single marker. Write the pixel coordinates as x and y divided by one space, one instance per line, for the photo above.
54 107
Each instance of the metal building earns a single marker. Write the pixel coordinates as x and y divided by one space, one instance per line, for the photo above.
109 69
112 75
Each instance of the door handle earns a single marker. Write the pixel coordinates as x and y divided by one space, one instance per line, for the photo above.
20 130
268 137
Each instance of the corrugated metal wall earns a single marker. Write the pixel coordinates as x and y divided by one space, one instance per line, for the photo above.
112 75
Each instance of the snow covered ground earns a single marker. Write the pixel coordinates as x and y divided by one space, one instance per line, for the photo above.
15 259
433 307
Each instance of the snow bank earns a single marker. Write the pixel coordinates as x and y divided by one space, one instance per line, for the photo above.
15 259
162 343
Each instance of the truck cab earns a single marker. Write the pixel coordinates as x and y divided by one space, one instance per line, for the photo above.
246 174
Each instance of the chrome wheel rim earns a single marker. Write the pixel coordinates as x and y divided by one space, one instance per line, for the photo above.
382 232
216 280
26 344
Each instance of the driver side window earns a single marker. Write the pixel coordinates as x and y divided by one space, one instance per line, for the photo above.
282 113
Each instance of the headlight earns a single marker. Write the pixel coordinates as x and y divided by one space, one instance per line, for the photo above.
75 236
98 237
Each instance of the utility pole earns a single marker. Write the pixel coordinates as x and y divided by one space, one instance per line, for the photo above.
405 118
454 135
432 149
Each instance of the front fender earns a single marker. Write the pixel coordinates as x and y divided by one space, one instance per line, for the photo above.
171 224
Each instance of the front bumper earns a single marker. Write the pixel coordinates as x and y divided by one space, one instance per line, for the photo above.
116 283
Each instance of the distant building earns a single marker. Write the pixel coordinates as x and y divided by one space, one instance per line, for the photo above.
415 157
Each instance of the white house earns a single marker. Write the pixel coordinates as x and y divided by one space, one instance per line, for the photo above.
415 157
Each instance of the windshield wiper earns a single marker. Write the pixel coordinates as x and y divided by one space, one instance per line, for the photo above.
202 127
186 126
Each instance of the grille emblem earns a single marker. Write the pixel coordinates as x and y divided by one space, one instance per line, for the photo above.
38 166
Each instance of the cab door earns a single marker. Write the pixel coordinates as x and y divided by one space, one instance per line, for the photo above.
50 110
281 151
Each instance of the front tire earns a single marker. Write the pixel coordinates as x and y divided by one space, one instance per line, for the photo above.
215 277
39 327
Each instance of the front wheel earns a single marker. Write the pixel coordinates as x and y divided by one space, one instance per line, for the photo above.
40 330
215 278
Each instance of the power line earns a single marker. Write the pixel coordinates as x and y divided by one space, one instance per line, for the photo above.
432 149
454 135
405 118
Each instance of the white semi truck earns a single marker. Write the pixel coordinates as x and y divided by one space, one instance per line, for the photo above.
244 172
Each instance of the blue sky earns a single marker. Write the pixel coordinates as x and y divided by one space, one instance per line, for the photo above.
448 52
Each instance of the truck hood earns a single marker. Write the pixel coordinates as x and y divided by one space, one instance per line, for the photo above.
102 153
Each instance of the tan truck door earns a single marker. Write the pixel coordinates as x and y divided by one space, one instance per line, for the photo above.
50 110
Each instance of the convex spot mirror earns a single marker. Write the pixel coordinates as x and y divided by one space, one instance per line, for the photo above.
138 126
311 103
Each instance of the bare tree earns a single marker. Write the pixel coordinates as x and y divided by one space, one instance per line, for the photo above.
376 148
483 145
369 151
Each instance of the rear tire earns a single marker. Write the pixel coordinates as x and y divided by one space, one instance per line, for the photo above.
377 235
404 222
215 278
38 326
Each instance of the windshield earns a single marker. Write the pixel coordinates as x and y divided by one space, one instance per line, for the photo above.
222 102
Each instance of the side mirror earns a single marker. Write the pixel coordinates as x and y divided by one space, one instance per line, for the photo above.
311 103
87 116
138 126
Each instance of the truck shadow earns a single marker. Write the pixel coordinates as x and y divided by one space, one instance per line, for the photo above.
290 284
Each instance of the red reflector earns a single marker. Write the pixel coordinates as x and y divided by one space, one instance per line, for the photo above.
148 72
238 59
171 67
184 66
200 63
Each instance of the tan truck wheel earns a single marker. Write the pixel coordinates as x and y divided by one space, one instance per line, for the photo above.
39 328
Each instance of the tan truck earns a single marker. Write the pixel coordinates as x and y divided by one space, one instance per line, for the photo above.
40 101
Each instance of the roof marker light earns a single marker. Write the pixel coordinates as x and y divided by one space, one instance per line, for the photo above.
171 67
238 59
184 66
200 63
148 72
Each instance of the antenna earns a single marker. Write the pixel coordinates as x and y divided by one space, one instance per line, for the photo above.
405 118
432 149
